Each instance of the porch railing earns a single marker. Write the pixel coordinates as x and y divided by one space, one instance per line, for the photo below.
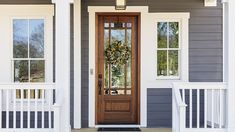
27 107
198 107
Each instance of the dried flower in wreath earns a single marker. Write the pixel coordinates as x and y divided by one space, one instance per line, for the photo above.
117 53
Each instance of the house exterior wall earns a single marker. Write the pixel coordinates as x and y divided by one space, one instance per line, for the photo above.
205 52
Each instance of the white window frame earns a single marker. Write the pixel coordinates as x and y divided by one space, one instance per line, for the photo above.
167 49
28 58
183 65
46 12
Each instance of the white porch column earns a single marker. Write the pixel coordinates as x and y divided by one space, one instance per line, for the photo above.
62 34
77 64
229 37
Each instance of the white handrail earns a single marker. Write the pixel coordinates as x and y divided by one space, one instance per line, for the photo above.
36 86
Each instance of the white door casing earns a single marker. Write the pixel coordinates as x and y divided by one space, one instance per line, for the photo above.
148 50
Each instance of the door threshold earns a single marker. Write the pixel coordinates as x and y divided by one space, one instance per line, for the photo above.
118 126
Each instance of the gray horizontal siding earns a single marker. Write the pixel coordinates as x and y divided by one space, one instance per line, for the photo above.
159 108
205 51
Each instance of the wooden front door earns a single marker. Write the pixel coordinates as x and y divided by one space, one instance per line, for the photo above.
117 93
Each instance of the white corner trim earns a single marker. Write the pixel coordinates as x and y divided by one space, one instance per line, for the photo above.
77 64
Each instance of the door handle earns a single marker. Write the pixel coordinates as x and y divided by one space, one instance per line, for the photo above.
100 79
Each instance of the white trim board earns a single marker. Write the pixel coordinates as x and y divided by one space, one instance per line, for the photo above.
77 64
148 78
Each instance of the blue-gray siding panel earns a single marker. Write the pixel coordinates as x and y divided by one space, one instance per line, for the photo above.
205 54
159 107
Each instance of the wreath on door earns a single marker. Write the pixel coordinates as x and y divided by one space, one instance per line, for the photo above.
117 53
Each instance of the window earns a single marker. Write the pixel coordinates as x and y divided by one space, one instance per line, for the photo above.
168 50
28 53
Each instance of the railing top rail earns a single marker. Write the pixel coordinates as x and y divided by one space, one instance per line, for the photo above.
27 86
200 85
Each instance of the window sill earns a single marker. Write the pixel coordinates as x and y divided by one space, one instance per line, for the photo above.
168 78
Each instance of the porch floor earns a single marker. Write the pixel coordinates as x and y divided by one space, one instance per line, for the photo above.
142 130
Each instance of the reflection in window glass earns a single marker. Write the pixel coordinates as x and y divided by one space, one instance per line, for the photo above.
29 64
162 34
173 35
173 63
168 49
21 71
37 73
162 62
20 38
36 38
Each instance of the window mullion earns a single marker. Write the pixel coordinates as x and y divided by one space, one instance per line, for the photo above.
28 55
167 52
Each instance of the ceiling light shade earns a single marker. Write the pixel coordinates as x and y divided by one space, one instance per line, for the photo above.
120 5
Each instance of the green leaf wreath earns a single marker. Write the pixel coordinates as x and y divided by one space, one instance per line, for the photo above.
117 53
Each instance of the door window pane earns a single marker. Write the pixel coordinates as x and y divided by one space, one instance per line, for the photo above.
118 78
20 38
118 35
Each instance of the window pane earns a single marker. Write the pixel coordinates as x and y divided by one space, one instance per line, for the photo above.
162 34
36 38
20 38
173 62
173 35
37 72
162 63
21 71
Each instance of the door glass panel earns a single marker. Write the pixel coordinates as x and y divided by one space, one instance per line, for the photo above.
118 35
106 65
117 77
